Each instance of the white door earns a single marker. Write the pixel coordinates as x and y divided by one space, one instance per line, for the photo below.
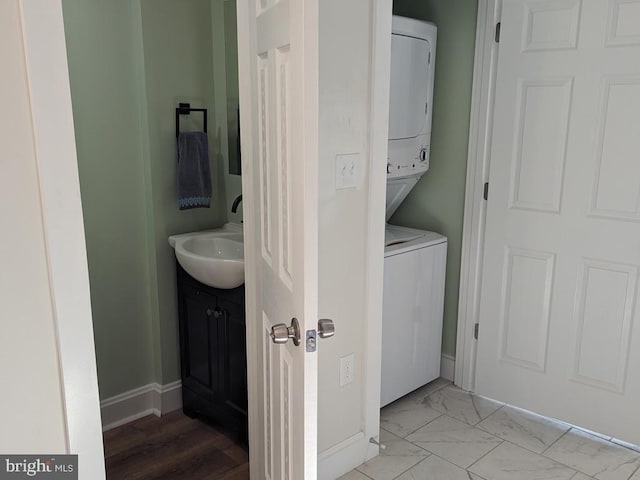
560 320
278 68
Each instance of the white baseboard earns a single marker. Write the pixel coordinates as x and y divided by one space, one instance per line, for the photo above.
353 451
343 457
151 399
156 399
448 367
170 397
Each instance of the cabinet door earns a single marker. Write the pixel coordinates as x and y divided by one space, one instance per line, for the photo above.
235 354
199 341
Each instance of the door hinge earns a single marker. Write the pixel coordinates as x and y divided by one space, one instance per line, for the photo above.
485 193
497 35
476 328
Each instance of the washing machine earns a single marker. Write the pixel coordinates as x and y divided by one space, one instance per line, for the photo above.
413 302
415 260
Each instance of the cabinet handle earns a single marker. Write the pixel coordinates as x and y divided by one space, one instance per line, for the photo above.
216 313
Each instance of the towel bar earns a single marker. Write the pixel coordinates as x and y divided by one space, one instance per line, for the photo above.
185 109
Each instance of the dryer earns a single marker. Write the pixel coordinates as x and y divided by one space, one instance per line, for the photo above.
414 265
413 57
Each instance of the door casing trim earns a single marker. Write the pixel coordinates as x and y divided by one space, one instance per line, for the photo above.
478 165
63 225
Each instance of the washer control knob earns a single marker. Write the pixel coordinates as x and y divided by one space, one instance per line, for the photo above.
423 154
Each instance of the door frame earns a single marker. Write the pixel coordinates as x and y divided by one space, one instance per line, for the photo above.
478 167
245 70
54 138
380 81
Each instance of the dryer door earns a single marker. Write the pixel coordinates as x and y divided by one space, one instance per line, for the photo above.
409 86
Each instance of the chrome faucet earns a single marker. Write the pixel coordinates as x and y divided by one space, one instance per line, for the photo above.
236 202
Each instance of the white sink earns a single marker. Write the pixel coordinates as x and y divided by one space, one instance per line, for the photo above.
213 257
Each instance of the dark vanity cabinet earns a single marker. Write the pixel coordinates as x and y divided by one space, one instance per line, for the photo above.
213 354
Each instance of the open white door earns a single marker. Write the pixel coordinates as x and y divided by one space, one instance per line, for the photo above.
559 320
278 70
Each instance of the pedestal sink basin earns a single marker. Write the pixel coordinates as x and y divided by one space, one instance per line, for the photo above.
213 257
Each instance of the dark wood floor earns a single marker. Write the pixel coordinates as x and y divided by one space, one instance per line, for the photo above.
174 447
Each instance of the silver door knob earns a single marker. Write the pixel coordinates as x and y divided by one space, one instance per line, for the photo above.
326 328
280 333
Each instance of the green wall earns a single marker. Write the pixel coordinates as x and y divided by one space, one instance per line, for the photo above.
437 201
178 67
109 142
130 63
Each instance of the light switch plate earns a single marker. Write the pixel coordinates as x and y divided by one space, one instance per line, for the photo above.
348 171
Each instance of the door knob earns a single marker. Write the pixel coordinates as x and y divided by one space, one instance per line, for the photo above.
326 328
280 333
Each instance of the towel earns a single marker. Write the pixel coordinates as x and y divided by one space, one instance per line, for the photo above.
194 172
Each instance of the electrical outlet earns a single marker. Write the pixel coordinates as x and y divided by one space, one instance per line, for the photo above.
347 369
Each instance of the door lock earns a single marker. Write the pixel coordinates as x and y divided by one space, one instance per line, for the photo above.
280 333
326 328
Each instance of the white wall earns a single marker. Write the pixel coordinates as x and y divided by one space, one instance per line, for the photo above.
31 404
344 101
348 416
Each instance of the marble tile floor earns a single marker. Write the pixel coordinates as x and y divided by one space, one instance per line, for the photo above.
441 432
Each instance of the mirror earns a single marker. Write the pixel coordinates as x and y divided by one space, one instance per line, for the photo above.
231 68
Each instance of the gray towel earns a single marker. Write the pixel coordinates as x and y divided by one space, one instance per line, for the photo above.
194 172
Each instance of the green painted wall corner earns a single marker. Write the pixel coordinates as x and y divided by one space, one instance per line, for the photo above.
437 201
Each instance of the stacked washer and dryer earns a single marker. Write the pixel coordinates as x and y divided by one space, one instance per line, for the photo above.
414 264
